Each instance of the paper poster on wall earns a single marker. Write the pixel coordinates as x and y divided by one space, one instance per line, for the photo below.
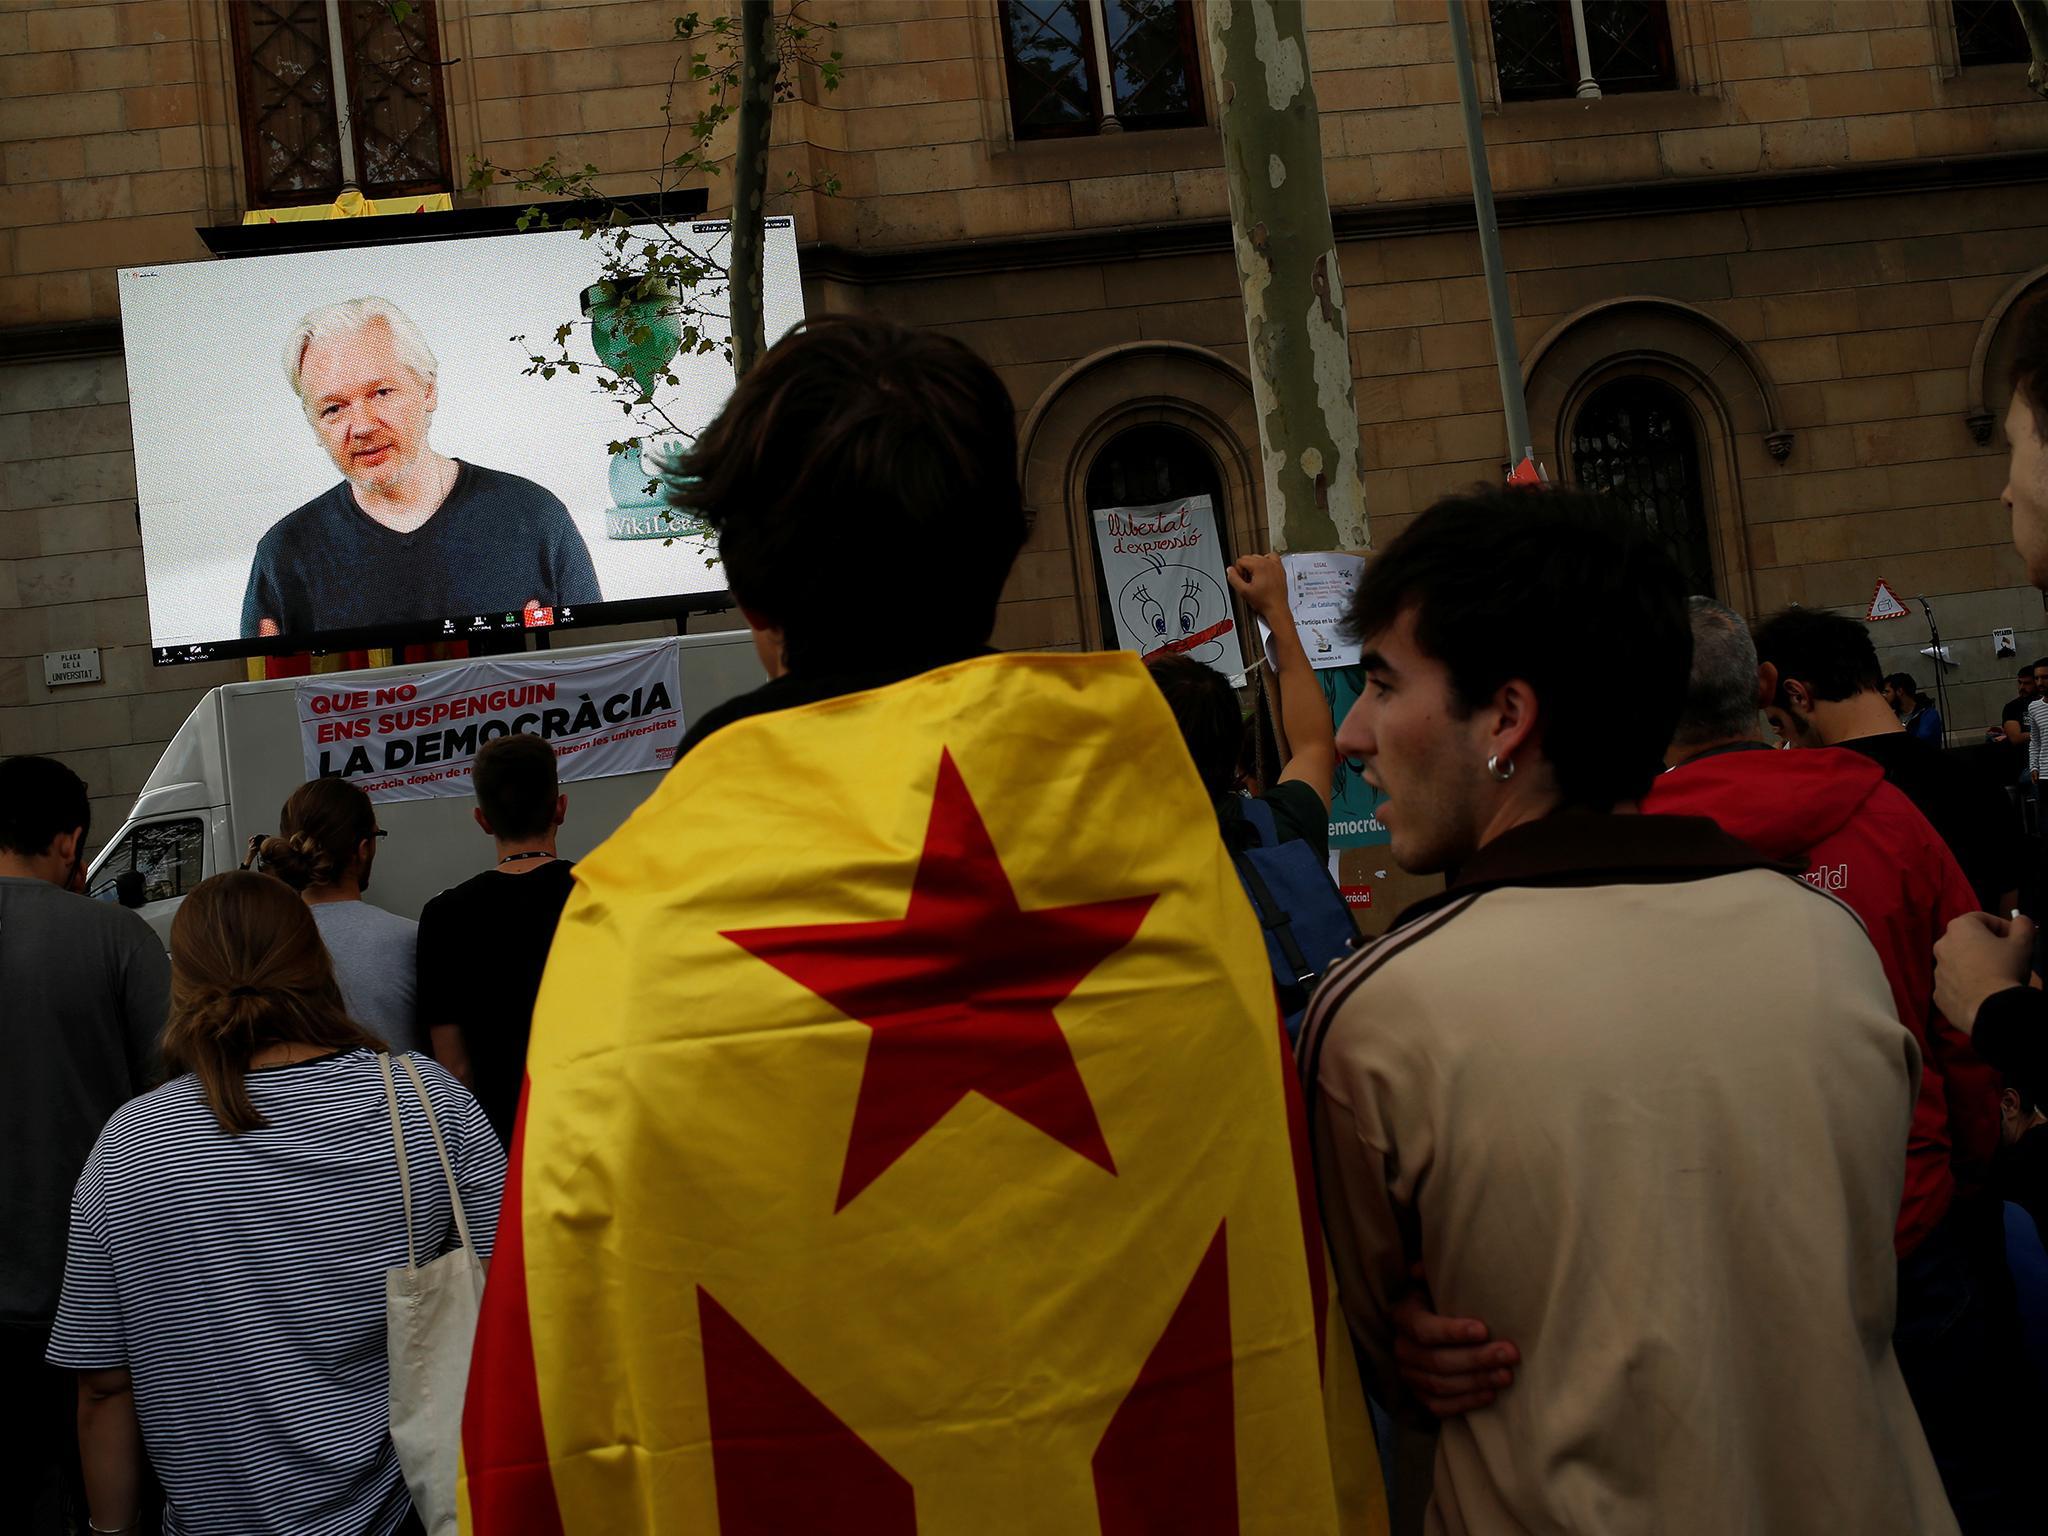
1319 589
1354 804
1162 567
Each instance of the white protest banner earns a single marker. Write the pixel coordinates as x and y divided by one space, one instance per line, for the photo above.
1162 567
413 736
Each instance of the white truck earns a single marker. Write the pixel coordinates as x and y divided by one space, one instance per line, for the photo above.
227 771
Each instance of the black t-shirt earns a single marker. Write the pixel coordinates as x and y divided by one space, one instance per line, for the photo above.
482 947
2011 1033
1298 814
1973 816
497 543
2020 1175
2016 710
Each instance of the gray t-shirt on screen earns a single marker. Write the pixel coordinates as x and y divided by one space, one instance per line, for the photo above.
375 960
84 986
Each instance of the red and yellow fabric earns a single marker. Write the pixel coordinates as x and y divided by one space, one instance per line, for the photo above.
910 1146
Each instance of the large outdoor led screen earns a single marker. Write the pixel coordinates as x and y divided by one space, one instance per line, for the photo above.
351 447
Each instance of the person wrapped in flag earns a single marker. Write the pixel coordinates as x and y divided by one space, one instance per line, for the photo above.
909 1143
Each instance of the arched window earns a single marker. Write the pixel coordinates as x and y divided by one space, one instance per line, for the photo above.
1144 464
1635 440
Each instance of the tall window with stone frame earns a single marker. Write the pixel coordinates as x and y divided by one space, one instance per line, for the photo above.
1079 67
335 94
1549 49
1989 32
1634 440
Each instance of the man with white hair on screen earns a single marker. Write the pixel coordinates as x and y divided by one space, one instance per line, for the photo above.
408 533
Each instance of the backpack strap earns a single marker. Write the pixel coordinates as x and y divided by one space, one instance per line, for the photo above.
1273 919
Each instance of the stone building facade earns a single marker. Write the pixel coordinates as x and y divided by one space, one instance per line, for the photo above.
1767 297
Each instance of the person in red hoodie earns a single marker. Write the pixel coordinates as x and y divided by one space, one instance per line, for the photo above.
1858 837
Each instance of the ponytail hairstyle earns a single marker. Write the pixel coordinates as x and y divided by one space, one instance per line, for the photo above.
322 825
248 970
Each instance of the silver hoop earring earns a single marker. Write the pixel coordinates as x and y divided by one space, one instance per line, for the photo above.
1500 775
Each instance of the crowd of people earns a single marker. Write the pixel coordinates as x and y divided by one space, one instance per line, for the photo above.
1665 1159
215 1303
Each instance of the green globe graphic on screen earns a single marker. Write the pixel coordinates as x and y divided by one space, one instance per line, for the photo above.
637 330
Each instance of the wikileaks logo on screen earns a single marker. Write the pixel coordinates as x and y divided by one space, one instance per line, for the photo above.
589 716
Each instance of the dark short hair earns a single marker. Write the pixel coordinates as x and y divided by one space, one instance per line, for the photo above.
1903 681
1831 654
862 480
40 800
516 786
1205 708
2043 662
1544 585
2028 669
2029 374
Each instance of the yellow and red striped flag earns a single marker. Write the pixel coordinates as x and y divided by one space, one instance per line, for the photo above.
910 1145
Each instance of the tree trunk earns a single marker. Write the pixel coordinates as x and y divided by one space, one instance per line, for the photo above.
1287 268
760 60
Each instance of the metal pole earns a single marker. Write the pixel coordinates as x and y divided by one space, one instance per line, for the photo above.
344 120
1589 88
1098 30
1507 355
1940 672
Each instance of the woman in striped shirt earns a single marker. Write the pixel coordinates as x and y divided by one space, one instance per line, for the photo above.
224 1285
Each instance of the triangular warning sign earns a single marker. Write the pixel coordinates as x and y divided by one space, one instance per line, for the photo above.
1883 605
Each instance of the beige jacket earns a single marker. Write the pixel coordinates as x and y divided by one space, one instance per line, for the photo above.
1639 1102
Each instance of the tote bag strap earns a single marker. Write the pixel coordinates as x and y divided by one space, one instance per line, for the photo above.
440 1147
412 1260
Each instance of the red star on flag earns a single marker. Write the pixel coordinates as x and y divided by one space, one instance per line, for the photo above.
959 992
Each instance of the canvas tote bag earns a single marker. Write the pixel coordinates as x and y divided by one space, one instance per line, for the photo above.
430 1321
